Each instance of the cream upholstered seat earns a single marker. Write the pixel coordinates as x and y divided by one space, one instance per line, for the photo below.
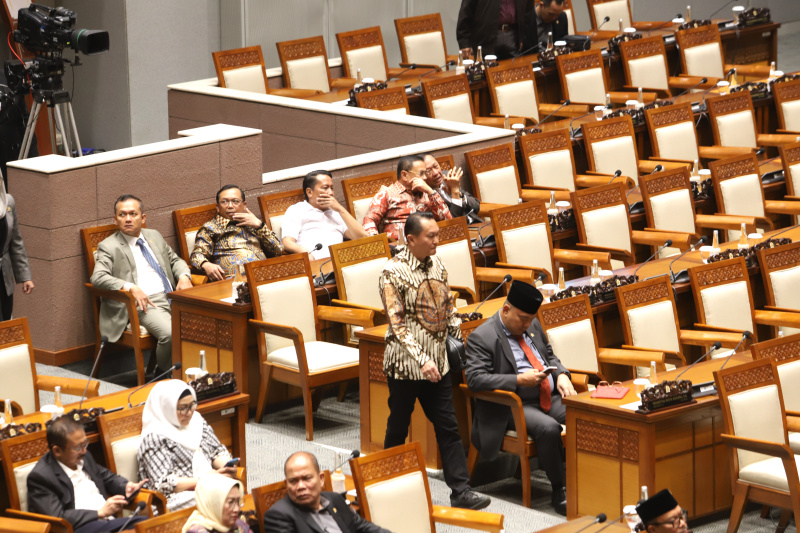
305 65
705 59
727 306
422 40
393 491
614 10
287 318
391 100
790 159
764 468
787 105
615 154
733 123
587 86
358 192
241 69
780 270
603 229
455 251
274 206
364 50
456 108
187 223
513 91
570 17
789 372
736 129
678 141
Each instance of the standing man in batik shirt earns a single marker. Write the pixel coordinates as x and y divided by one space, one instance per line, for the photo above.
235 236
420 311
409 194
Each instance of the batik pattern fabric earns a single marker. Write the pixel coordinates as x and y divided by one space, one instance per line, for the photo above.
392 205
222 242
420 311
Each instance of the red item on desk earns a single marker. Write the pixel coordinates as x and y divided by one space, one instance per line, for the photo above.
614 393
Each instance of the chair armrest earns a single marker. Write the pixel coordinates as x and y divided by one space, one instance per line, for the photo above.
536 270
395 72
582 257
618 97
775 139
782 206
773 449
660 93
420 66
580 382
150 498
343 83
782 309
687 82
720 221
57 525
198 279
756 71
68 385
122 296
596 179
682 241
778 318
717 151
481 520
571 110
707 338
647 166
241 475
631 357
287 332
465 292
529 194
793 422
294 93
487 208
616 253
351 305
705 327
501 397
669 357
496 275
347 315
498 122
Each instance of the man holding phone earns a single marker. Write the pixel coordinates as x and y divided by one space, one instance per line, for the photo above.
510 352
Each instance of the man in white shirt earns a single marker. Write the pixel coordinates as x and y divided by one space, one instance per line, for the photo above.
140 261
320 219
67 483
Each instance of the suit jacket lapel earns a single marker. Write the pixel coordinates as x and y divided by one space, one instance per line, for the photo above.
61 476
339 520
126 251
310 522
501 333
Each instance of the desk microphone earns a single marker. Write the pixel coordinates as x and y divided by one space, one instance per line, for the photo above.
506 279
437 69
103 341
695 86
599 519
572 133
610 523
540 277
317 247
745 335
617 174
176 366
658 168
716 346
663 24
589 42
353 455
668 242
531 49
566 103
480 242
321 280
782 231
725 76
683 274
412 67
136 512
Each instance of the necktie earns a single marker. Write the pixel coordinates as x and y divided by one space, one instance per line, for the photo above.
544 386
153 263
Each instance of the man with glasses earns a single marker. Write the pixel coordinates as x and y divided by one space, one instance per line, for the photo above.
448 186
234 237
662 514
392 205
67 483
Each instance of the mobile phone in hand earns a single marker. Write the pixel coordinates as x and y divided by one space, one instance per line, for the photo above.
549 369
132 497
232 462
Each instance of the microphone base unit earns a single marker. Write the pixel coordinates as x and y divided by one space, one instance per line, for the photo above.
636 208
680 277
701 390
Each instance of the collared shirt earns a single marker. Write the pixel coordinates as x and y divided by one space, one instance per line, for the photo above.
222 242
523 364
420 311
449 199
393 204
310 226
324 517
508 12
87 495
147 278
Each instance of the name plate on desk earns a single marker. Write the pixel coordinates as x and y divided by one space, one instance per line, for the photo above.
666 394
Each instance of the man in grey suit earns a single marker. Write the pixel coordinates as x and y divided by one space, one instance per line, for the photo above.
510 352
14 259
138 260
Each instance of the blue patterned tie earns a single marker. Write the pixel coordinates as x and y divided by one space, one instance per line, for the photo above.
153 263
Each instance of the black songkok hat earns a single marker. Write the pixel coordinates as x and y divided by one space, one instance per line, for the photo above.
652 508
525 297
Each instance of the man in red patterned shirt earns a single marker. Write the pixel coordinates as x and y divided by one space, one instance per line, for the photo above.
409 194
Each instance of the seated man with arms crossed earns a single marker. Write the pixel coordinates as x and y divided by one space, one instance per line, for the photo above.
67 483
510 352
138 260
321 219
306 509
392 205
448 186
234 236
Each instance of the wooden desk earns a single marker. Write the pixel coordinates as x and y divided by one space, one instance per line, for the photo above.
374 394
573 526
611 451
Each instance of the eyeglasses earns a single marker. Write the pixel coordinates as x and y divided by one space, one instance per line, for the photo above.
430 171
605 384
80 447
674 522
234 201
187 408
234 502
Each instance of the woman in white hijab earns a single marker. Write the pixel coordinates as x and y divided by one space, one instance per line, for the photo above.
15 266
219 506
178 445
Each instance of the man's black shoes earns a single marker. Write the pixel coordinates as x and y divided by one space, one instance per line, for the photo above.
470 500
559 501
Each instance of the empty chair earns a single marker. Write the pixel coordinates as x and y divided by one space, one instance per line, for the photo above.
449 98
364 50
243 69
701 55
392 100
733 123
422 41
615 10
584 80
644 63
787 105
780 270
305 66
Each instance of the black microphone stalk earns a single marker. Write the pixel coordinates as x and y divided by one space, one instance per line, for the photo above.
103 341
437 69
589 42
353 455
617 174
573 133
138 510
673 277
321 280
531 49
667 243
716 346
599 519
746 335
566 103
666 22
695 86
176 366
506 279
412 67
610 523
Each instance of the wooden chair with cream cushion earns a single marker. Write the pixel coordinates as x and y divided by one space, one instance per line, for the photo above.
611 146
738 191
733 123
266 496
763 465
669 206
188 222
21 383
571 27
273 207
20 455
449 98
604 225
392 100
701 55
615 10
780 270
649 318
570 330
584 80
522 234
287 318
724 301
393 491
644 63
790 159
673 136
243 69
358 192
787 105
422 41
364 49
305 66
141 340
165 523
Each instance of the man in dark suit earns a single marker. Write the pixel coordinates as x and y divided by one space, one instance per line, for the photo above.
501 27
458 201
510 352
306 509
67 483
140 261
549 17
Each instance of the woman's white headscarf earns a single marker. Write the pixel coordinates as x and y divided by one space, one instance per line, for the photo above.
210 495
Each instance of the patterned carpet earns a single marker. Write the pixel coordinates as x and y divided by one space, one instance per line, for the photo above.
336 429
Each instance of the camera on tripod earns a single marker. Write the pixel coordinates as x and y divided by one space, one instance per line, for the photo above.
44 31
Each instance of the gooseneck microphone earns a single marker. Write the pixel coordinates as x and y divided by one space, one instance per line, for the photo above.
412 67
695 86
317 247
610 523
746 335
716 346
138 510
103 341
321 280
617 174
437 69
176 366
589 42
668 242
783 231
673 277
725 76
506 279
531 49
353 455
665 23
566 103
572 133
599 519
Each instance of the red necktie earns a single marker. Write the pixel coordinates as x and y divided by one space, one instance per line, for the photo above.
544 386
